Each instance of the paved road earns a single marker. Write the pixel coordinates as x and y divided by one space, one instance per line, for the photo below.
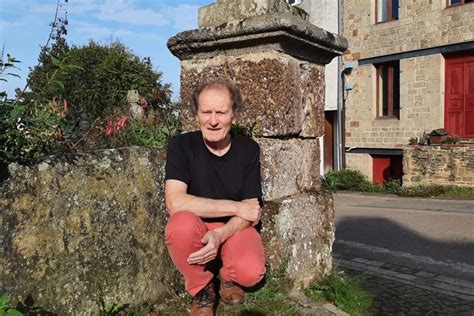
415 252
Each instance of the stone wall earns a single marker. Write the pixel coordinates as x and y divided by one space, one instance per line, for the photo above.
82 228
421 24
441 165
361 162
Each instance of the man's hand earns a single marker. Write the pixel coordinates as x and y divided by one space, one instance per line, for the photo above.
212 241
250 210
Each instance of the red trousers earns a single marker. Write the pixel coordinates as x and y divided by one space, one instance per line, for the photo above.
242 254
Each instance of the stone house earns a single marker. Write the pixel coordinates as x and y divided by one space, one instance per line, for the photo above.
415 74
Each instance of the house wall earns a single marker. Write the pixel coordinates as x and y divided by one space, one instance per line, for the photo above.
422 24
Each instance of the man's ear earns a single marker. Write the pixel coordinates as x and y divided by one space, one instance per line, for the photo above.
235 115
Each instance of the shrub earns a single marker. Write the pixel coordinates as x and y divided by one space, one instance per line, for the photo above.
348 179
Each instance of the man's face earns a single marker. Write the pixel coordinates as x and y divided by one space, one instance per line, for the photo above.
214 114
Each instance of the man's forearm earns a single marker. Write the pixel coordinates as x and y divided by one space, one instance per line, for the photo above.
234 225
202 207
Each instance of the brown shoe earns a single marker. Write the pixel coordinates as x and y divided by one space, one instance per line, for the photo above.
204 301
231 293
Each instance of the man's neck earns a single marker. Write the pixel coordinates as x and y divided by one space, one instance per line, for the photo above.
219 148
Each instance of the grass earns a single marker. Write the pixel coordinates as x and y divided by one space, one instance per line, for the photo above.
344 292
269 299
438 191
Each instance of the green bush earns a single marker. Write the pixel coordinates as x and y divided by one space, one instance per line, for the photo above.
354 180
348 179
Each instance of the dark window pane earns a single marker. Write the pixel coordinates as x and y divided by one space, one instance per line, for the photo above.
385 90
395 9
396 89
455 2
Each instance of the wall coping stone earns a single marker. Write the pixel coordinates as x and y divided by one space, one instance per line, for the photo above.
280 31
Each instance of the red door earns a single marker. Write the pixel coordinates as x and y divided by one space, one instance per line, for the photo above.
387 168
459 99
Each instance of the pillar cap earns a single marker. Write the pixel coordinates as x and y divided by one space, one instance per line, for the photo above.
283 32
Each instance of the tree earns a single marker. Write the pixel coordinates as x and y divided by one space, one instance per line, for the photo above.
98 80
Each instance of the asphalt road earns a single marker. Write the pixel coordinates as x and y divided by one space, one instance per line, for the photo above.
432 235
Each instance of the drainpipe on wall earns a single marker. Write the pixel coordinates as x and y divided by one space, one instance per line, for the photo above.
340 161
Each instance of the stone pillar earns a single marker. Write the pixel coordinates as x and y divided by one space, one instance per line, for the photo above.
277 59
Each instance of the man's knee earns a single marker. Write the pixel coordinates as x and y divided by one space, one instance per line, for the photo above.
182 224
249 272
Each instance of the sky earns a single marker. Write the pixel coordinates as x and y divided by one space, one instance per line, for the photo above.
144 26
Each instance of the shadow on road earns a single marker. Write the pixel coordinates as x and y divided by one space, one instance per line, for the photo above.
384 233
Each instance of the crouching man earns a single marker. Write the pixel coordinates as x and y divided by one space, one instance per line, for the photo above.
212 194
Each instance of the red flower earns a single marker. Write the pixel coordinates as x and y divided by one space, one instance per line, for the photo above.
59 134
110 128
143 102
121 123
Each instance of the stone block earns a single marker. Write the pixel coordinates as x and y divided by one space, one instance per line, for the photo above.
282 95
230 10
289 166
298 232
82 228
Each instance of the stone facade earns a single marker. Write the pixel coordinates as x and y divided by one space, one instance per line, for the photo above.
277 59
420 25
421 104
440 165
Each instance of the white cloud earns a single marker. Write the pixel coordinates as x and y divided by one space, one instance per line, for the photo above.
184 16
123 11
82 6
90 30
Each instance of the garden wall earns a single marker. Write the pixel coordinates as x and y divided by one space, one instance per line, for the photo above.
78 229
441 165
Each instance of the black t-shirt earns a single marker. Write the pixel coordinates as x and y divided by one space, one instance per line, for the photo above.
233 176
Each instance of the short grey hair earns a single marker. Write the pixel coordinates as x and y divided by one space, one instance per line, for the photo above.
218 84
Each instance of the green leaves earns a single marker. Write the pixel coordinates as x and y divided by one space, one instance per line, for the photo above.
5 307
55 60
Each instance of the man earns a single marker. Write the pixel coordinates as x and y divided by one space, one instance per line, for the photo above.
212 194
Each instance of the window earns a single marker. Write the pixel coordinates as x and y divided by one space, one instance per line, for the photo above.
387 10
456 2
388 89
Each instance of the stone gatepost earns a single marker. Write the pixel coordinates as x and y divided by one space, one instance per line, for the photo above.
277 59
